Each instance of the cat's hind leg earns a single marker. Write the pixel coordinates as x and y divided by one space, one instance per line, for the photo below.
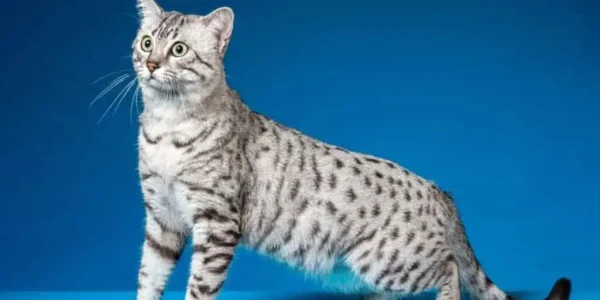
449 287
402 271
444 277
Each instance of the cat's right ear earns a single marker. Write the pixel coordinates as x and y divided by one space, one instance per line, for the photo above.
148 9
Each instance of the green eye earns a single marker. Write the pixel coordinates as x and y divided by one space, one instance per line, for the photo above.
179 49
147 44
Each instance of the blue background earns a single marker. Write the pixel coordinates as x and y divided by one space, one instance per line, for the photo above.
498 103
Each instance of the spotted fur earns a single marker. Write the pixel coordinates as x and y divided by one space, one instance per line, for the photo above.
217 173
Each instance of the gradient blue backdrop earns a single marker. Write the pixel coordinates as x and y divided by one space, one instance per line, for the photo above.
498 103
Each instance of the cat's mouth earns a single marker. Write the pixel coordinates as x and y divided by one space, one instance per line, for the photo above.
155 82
161 86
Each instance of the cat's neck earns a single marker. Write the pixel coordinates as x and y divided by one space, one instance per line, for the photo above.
222 102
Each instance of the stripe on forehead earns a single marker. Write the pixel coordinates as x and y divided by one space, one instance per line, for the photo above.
173 30
168 25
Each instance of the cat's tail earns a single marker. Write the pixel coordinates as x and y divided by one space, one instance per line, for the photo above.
472 275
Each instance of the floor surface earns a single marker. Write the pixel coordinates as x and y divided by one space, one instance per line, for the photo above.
240 296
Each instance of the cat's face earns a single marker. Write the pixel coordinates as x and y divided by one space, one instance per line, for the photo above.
174 53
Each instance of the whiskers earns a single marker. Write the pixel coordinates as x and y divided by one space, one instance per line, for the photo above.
137 18
110 86
134 99
175 93
108 75
121 95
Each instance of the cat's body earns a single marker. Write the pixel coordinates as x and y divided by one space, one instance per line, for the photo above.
216 172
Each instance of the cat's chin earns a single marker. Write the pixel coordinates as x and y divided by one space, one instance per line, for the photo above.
159 86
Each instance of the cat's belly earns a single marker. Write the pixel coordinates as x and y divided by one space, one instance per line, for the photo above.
342 279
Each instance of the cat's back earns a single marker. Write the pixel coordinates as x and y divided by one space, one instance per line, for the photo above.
312 198
330 172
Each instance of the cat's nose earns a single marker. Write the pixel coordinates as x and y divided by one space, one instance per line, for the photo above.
152 65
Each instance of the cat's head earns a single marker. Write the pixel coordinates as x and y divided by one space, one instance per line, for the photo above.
180 54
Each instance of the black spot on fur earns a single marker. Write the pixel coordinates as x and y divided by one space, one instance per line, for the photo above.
373 160
376 210
364 269
295 189
332 181
419 248
316 228
395 233
407 216
338 163
414 266
409 238
362 212
351 195
331 208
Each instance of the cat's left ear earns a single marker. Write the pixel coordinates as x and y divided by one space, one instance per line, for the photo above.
148 9
221 22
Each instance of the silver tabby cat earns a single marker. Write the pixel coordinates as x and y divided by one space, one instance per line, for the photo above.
217 173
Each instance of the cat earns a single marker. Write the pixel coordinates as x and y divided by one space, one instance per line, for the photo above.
222 175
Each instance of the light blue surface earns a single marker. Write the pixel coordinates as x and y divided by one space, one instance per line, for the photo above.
239 296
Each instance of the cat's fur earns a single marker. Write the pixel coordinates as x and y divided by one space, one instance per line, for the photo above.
216 172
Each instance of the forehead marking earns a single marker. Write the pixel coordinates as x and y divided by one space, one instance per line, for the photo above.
168 25
162 21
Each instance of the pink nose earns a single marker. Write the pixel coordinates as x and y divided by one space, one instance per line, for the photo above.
152 66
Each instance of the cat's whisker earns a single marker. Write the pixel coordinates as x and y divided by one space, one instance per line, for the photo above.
109 74
128 88
180 93
168 90
133 100
111 86
131 16
114 101
137 99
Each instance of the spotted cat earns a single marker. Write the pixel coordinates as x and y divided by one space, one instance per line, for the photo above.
215 172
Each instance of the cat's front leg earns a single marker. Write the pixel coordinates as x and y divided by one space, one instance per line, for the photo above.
215 234
161 250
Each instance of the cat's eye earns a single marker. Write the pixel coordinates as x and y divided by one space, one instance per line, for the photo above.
146 44
179 49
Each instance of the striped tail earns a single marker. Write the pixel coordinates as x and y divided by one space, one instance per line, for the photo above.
478 284
561 290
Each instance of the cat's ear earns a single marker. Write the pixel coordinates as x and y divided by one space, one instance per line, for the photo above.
148 9
220 21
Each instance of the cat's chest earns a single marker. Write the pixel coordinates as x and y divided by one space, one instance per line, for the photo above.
163 158
161 149
168 196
